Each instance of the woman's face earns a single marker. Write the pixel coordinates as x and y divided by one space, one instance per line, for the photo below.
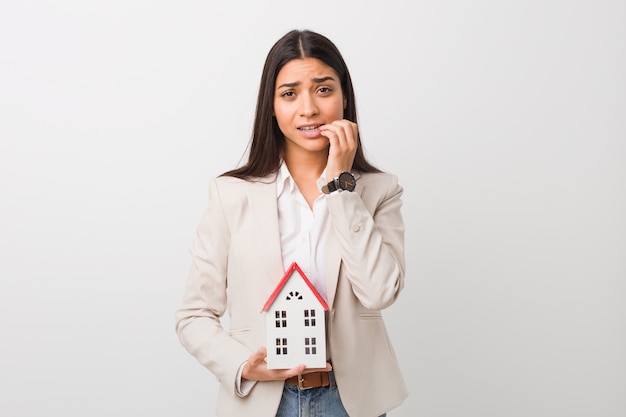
308 94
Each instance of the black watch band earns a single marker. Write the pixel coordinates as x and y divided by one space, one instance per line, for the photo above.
344 182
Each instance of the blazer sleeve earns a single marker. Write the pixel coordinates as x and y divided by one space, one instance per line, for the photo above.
204 301
370 230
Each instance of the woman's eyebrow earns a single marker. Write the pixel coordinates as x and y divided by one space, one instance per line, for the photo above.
289 85
297 83
321 80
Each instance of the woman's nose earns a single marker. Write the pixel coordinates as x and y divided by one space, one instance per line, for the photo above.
308 107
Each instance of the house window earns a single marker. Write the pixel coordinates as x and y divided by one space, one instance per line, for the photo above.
310 346
294 294
281 346
281 318
309 318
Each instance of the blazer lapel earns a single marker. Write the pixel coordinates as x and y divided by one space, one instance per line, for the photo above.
332 260
262 203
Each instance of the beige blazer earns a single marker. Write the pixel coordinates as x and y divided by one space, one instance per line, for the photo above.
236 263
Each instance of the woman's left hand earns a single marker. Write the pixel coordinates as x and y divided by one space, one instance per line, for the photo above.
343 137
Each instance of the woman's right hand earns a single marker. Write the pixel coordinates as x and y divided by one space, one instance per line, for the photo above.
256 369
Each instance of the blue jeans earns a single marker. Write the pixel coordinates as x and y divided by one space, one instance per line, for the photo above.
314 402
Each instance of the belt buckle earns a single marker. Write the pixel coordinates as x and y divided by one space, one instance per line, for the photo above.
300 381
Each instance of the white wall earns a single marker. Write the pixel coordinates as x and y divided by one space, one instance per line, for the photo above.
504 120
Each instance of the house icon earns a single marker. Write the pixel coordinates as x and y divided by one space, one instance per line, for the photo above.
295 323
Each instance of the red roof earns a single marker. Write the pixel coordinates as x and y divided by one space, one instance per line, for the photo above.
283 281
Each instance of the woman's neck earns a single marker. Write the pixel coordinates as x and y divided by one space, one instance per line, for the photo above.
309 167
305 173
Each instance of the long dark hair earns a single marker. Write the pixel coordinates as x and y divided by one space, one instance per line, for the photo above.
267 145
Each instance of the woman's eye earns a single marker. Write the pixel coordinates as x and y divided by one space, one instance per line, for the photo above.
325 90
288 94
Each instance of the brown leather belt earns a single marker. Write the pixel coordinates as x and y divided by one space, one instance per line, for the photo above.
312 380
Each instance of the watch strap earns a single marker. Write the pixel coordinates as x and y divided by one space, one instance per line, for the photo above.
335 184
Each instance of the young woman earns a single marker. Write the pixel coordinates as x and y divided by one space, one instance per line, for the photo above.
307 194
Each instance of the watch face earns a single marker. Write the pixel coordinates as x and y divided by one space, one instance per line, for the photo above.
347 181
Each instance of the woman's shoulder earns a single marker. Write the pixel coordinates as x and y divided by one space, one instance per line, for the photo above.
231 181
234 187
377 178
233 193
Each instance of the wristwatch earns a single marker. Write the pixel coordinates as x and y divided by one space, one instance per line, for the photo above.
345 181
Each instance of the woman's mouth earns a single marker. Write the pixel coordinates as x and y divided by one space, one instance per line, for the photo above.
310 131
309 128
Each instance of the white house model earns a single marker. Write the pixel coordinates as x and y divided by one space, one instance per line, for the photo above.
295 323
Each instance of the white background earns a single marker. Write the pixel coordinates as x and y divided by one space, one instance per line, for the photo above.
505 121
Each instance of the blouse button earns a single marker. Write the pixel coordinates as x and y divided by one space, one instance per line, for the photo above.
356 227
